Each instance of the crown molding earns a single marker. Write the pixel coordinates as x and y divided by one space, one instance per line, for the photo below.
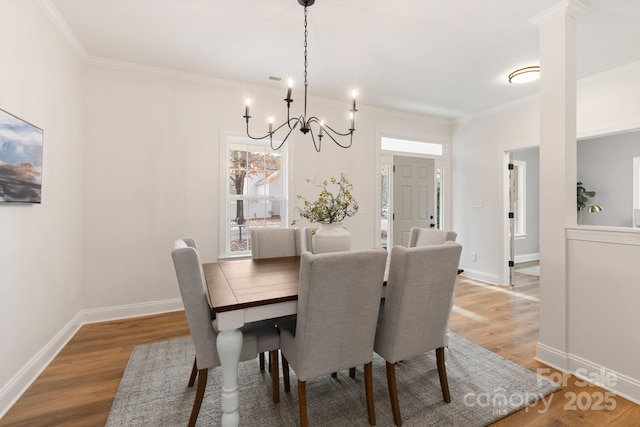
61 25
573 8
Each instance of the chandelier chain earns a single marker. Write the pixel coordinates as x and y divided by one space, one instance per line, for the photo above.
305 46
306 83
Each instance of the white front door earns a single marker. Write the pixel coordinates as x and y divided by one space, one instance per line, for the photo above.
413 196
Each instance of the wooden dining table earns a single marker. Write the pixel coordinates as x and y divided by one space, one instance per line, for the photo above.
243 291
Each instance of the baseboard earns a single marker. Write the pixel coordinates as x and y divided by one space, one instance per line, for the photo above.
526 258
11 392
551 357
615 382
131 310
608 379
480 275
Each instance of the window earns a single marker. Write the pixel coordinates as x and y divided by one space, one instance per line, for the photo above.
385 202
408 146
255 193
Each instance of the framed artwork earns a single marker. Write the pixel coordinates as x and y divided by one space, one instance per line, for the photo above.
20 160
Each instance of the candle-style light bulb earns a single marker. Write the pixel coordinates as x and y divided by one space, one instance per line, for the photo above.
247 103
321 126
270 120
290 86
354 94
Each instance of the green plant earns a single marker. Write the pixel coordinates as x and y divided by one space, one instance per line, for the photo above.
583 196
330 206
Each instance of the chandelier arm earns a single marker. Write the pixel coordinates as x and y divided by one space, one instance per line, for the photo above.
317 146
255 137
289 101
295 125
328 131
269 134
339 133
336 141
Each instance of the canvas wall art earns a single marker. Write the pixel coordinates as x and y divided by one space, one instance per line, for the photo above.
20 160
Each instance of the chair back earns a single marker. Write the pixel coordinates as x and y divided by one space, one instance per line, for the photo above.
193 290
308 238
338 304
275 242
429 236
418 298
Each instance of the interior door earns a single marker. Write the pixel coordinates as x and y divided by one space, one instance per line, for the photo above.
413 196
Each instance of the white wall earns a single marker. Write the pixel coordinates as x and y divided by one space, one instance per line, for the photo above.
599 269
152 156
479 145
605 165
41 244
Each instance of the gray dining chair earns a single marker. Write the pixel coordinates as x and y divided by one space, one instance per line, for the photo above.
275 242
415 316
419 236
427 237
308 238
256 337
338 304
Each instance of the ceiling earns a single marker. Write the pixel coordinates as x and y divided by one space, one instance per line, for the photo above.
447 58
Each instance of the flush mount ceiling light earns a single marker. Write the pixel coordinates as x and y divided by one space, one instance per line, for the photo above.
525 75
304 122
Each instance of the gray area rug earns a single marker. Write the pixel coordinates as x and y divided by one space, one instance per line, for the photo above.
484 388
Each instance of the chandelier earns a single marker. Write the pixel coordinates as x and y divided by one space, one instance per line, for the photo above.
306 123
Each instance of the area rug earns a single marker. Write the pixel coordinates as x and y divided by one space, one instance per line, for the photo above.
484 388
531 271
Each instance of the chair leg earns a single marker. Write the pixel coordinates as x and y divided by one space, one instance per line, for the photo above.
352 372
393 393
285 374
194 373
368 385
442 373
302 403
275 375
261 359
202 385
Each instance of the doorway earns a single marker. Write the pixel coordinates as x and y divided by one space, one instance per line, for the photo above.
412 190
412 196
522 225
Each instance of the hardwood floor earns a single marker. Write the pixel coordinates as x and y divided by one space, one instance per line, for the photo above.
77 389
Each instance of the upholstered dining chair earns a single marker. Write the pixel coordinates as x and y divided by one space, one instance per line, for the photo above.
338 304
308 238
257 336
429 236
275 242
414 318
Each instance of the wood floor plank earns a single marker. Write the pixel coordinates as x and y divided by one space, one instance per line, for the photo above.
78 387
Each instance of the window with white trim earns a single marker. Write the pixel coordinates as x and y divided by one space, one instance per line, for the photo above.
255 193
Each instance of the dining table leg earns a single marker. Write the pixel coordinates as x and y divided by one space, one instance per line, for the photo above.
229 344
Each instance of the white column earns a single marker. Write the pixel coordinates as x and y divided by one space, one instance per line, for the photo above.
557 170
